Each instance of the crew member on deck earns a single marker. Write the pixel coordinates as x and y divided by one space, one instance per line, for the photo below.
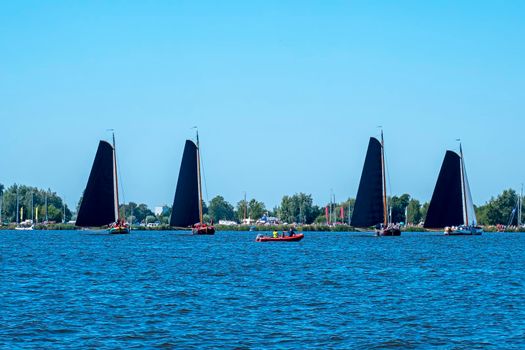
291 233
275 234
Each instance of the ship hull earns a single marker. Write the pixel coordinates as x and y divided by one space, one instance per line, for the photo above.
119 230
391 232
203 230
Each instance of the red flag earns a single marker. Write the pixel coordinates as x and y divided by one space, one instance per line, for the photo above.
342 213
326 213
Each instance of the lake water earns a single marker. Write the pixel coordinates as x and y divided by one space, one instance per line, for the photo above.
82 289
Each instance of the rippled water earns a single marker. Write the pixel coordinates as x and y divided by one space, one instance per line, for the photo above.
332 290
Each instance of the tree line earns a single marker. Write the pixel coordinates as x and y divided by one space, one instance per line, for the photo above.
32 202
297 208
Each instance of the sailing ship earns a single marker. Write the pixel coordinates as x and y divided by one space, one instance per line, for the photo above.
187 204
100 202
451 205
371 205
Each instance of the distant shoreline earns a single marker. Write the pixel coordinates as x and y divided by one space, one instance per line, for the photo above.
245 228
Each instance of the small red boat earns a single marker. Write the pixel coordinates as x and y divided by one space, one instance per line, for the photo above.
203 229
294 238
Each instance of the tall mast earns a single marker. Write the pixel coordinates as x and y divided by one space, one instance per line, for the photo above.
520 205
32 206
463 187
245 206
385 212
349 214
334 211
199 177
117 211
330 221
45 200
17 205
332 207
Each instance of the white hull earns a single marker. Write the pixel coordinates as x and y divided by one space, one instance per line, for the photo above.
20 228
464 231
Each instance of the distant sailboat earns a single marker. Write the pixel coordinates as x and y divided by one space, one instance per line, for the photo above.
451 205
21 224
100 202
371 206
187 204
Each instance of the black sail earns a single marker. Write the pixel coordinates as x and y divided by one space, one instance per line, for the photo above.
446 205
368 209
185 210
98 202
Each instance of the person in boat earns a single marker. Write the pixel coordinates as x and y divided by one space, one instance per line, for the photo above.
275 234
291 233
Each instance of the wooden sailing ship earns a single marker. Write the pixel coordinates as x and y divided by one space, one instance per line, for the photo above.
371 205
100 201
451 206
187 211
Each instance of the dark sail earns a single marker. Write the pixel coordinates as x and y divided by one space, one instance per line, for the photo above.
446 206
368 210
185 210
98 202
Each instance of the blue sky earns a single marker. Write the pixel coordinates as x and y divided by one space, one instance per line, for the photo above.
285 93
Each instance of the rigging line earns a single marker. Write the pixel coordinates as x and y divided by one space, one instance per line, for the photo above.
202 165
118 172
204 174
121 183
388 175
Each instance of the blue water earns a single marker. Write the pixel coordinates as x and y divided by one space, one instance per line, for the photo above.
81 290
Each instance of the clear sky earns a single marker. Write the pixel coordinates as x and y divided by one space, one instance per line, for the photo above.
285 93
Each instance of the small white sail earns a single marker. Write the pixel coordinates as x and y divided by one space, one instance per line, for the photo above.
470 212
115 182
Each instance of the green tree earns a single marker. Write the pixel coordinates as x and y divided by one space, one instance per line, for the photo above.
253 209
424 210
414 212
164 217
298 208
348 207
257 209
32 197
482 214
150 219
241 210
54 213
499 210
398 206
136 212
220 209
142 211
